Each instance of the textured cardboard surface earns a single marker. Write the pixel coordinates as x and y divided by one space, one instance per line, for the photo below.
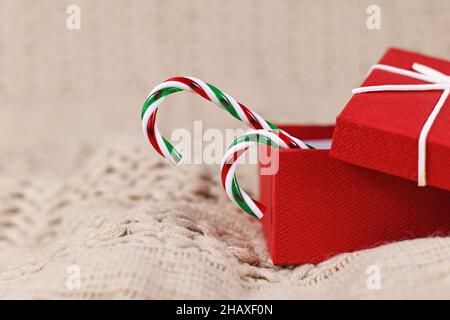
321 207
381 130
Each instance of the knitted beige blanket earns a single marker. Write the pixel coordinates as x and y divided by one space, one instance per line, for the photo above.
126 225
89 210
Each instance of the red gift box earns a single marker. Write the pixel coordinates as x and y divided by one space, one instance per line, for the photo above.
381 130
318 207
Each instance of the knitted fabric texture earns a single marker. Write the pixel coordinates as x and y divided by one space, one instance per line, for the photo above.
137 227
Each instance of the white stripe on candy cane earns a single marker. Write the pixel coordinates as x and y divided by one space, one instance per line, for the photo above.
230 157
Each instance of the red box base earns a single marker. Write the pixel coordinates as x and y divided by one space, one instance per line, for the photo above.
318 207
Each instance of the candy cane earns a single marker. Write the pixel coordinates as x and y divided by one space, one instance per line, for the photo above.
238 147
209 92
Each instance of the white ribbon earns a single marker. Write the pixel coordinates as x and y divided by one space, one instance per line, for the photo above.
437 80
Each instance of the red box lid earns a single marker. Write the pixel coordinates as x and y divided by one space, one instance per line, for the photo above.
380 130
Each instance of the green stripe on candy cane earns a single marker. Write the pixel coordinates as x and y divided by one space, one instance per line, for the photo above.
156 96
207 91
237 148
224 102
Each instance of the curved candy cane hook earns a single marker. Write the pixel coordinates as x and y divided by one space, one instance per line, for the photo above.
208 92
238 147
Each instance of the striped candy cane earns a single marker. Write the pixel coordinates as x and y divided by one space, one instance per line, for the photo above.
209 92
250 139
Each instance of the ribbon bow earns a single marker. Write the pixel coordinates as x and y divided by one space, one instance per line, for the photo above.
437 81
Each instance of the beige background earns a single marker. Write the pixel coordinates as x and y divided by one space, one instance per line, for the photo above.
79 185
292 61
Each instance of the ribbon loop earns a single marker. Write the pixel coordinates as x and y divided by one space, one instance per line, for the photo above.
438 76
